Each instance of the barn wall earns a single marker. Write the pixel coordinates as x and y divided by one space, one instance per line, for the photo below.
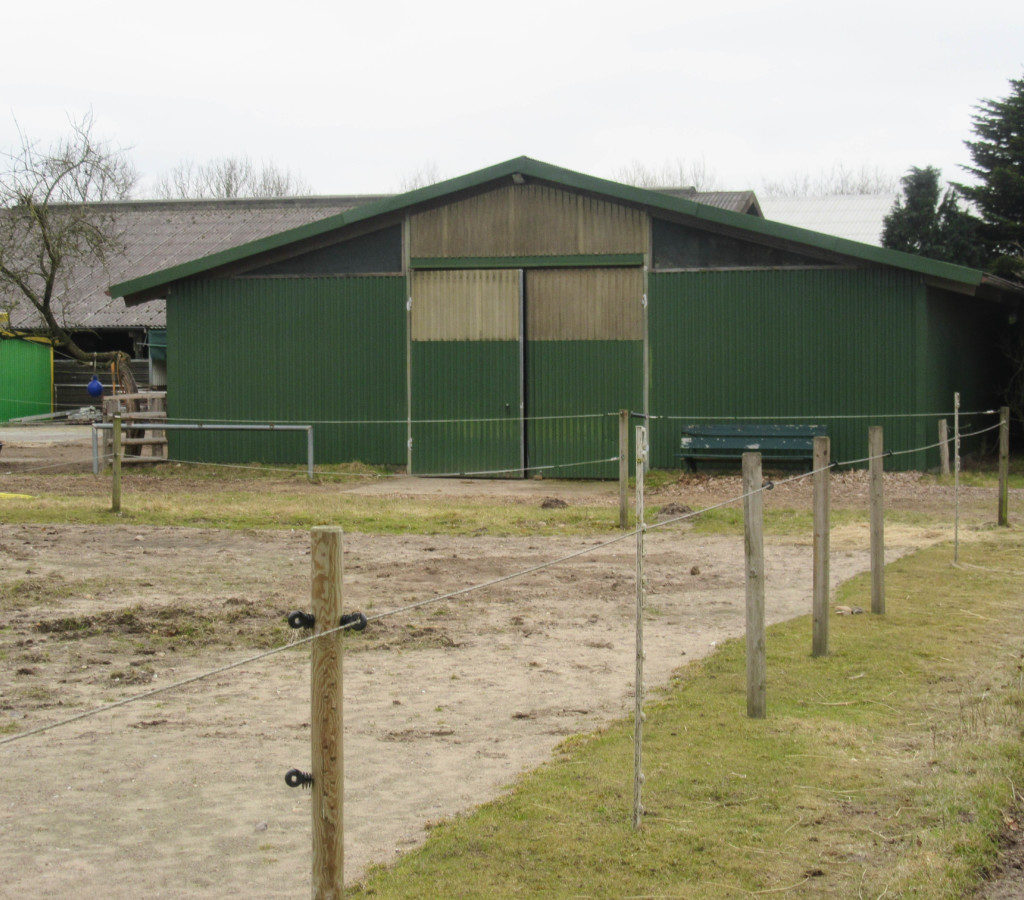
525 220
964 353
789 343
289 350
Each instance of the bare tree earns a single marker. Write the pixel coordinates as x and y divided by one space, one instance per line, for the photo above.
839 180
427 174
49 227
695 173
228 177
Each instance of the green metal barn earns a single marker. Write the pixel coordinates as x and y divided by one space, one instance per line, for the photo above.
497 321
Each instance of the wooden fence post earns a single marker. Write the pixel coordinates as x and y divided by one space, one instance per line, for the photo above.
876 468
753 546
115 467
623 468
943 447
822 498
326 716
1004 465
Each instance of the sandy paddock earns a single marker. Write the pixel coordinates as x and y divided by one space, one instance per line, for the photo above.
445 706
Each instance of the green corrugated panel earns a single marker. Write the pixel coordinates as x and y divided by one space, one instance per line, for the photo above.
289 350
25 379
963 353
789 343
573 377
465 380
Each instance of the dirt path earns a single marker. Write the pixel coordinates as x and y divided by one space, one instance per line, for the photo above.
184 794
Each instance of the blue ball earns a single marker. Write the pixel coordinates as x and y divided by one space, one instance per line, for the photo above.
95 387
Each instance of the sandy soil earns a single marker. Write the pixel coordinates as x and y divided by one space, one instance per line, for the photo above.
184 794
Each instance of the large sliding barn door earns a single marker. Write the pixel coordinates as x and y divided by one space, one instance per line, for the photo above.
466 364
584 357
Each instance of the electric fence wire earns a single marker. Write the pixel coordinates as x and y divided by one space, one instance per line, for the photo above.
768 485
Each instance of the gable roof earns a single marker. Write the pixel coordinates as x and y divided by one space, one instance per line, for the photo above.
148 286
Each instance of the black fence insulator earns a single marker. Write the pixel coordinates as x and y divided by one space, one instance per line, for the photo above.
769 485
299 619
297 778
889 452
356 620
636 415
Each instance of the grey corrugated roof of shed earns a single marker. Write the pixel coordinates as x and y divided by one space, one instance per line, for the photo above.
857 217
160 233
735 201
152 285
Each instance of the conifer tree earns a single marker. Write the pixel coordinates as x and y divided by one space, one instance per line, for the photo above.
928 222
998 197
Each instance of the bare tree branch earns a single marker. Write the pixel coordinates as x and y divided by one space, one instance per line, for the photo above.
49 224
229 177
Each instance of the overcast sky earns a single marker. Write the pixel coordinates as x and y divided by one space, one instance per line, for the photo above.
357 97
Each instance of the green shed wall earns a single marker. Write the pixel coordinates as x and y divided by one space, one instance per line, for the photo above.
964 353
790 343
289 350
26 379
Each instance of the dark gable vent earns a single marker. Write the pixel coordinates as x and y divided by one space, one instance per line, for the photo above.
682 247
378 252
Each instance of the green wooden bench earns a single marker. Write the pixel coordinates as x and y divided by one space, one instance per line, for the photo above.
778 442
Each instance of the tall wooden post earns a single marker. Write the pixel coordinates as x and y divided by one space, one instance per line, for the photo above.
638 711
876 468
623 468
115 467
822 498
326 715
1004 465
753 546
943 446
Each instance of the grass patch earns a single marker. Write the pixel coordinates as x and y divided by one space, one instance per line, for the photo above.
238 509
883 768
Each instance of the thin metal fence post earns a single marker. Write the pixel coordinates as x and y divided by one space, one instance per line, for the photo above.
638 712
326 716
95 450
623 468
309 454
877 518
956 478
1003 517
822 490
753 553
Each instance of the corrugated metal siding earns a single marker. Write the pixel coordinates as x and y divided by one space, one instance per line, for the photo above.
289 350
527 219
584 304
462 380
573 377
790 343
963 354
470 305
25 379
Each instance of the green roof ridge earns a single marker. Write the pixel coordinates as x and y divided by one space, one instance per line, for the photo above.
568 178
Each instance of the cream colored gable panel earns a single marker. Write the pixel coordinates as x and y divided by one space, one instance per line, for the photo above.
468 305
584 304
527 220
